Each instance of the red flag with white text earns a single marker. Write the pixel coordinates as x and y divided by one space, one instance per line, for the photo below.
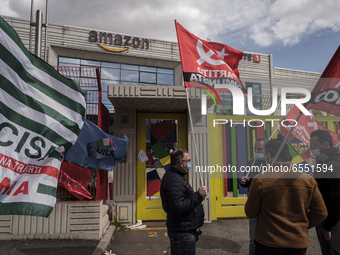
305 126
209 65
326 93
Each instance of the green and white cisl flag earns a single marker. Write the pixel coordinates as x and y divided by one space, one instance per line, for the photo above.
41 114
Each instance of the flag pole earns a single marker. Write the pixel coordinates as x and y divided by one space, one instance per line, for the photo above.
193 135
285 140
268 140
273 134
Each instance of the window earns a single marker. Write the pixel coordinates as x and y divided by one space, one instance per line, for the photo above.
165 79
227 104
148 69
257 102
110 74
116 73
69 61
129 75
147 78
85 62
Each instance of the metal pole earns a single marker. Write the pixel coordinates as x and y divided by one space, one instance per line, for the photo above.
46 21
38 24
273 134
30 38
268 140
285 140
193 135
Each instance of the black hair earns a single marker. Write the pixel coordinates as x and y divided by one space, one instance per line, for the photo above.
177 156
280 137
262 139
273 147
323 136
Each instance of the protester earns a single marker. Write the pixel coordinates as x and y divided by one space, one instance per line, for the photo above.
286 202
326 173
255 166
183 206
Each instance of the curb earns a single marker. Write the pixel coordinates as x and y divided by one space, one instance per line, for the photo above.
104 242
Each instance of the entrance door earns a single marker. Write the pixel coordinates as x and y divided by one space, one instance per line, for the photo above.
158 135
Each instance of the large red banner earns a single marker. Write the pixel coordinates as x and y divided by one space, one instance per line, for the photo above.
326 93
304 127
207 64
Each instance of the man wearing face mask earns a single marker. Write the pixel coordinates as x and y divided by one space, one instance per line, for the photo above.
327 175
256 163
183 206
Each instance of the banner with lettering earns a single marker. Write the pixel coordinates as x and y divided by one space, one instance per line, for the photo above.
97 149
41 115
208 65
304 127
326 93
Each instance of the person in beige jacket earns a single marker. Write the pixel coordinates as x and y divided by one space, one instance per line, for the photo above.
287 203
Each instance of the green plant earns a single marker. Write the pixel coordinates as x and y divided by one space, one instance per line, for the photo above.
115 220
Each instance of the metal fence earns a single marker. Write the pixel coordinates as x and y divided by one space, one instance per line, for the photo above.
88 78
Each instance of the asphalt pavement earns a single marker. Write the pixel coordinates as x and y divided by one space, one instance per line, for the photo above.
227 236
48 247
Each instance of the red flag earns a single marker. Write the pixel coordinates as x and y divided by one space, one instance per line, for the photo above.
75 179
305 126
326 93
73 186
228 54
207 64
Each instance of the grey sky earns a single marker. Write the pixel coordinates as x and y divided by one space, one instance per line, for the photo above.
263 26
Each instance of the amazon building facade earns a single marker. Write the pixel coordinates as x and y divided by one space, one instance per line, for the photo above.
142 85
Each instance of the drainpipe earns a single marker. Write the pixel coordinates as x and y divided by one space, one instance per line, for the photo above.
38 25
46 20
271 73
31 25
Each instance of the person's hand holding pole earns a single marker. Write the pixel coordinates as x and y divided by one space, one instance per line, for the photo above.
203 191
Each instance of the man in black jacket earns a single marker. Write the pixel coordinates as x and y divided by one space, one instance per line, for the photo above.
183 206
327 174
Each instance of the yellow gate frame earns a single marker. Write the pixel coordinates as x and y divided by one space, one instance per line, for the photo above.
230 207
152 209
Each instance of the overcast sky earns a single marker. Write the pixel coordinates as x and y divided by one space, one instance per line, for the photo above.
300 34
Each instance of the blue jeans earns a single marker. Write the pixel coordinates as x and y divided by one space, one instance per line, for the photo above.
182 243
252 225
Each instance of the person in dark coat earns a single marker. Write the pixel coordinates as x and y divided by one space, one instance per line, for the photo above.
183 205
327 175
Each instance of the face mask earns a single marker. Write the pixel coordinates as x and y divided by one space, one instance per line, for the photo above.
317 153
188 167
259 155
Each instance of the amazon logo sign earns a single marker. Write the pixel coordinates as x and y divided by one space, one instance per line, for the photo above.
108 41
